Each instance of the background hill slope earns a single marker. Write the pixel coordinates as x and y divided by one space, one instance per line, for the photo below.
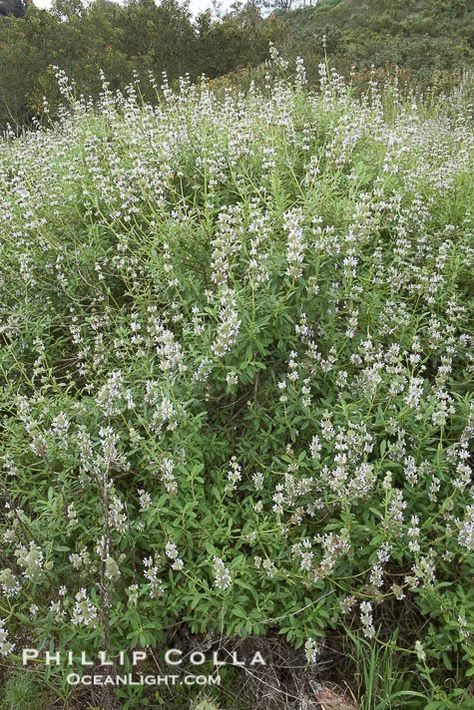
421 36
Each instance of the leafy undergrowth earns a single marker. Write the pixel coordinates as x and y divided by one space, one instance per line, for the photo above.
236 385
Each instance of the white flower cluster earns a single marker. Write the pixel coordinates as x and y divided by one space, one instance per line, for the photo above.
366 619
312 650
466 529
9 583
151 575
6 647
223 578
112 398
171 551
234 475
296 243
84 612
31 560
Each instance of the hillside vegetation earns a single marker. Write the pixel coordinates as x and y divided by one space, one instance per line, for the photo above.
236 388
430 42
420 36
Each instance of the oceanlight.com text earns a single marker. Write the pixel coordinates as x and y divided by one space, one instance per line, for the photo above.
142 679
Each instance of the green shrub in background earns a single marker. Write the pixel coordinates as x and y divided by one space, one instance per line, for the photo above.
235 374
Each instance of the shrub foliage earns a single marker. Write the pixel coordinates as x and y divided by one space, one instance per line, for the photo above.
235 371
